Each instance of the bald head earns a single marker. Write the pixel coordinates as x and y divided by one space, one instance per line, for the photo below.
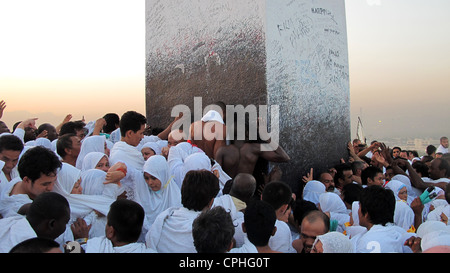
244 185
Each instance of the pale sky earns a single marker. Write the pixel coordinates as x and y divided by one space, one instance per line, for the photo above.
87 57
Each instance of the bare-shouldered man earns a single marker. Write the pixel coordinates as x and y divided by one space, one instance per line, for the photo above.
208 134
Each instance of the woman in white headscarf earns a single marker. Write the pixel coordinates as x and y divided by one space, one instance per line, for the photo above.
150 149
400 190
68 184
154 189
91 144
332 242
92 183
95 160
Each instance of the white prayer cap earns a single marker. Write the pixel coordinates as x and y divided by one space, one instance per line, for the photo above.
213 115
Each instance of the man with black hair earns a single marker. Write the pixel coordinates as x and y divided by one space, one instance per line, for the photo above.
343 176
47 217
123 228
132 126
259 224
74 127
68 147
37 169
279 196
172 229
213 231
376 213
10 149
372 176
51 131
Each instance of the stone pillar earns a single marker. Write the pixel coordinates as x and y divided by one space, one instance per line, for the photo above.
291 53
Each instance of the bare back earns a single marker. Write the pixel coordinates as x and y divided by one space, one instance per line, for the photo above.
208 136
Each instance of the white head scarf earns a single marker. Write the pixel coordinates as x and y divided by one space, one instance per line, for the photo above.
168 196
152 145
430 226
405 180
396 186
331 202
92 182
90 144
195 162
313 190
80 204
91 160
403 215
335 242
66 179
435 238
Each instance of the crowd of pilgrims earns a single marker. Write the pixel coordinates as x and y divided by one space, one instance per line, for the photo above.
116 185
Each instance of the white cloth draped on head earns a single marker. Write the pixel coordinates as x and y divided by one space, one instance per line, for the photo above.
335 242
90 144
435 238
403 215
92 181
195 162
177 156
313 190
123 152
332 203
152 145
168 196
412 192
213 115
91 160
396 186
430 226
80 204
